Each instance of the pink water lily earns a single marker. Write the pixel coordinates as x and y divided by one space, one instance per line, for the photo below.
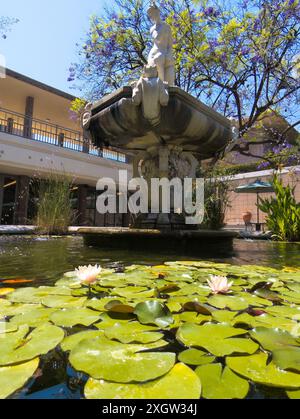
219 284
88 274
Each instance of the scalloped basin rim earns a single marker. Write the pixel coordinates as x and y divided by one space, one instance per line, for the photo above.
185 122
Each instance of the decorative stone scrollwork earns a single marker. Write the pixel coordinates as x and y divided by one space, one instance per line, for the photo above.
151 93
86 119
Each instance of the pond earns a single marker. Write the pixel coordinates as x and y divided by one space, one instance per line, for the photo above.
44 260
148 319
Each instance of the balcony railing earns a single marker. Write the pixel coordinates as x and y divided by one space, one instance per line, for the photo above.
23 126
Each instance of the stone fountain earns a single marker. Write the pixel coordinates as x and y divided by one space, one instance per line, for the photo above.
168 132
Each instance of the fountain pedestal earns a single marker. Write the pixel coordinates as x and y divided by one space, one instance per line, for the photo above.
168 132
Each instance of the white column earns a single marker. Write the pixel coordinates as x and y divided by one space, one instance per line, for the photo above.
1 195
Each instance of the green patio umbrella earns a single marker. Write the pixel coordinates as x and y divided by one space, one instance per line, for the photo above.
256 187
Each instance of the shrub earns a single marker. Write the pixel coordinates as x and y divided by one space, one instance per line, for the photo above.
216 198
283 212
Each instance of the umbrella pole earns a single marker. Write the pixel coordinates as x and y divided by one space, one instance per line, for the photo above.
257 204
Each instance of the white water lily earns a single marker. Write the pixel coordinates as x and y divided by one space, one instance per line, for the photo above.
219 284
88 274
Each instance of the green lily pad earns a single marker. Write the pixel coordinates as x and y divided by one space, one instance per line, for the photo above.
72 316
35 295
226 301
129 291
192 317
223 316
173 306
199 308
219 383
13 377
278 322
293 394
133 332
167 288
63 301
287 358
257 369
154 312
37 316
216 338
16 347
285 311
108 320
255 300
117 306
195 357
6 327
268 294
114 361
272 339
99 304
179 383
10 309
71 341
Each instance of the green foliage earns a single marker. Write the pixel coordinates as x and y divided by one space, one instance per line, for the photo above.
216 198
238 56
283 212
54 213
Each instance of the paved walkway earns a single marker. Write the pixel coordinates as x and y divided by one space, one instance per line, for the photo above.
20 230
16 229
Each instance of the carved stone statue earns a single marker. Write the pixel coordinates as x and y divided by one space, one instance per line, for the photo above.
151 93
161 53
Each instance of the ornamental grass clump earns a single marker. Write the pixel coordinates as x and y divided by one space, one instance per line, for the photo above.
54 209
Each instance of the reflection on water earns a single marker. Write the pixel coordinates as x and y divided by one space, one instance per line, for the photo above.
46 259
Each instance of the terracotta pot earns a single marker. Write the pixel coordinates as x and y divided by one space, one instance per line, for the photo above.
247 215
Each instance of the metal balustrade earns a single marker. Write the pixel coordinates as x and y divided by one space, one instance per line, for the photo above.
34 129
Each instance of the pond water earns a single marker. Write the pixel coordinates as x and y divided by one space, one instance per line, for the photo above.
44 260
40 261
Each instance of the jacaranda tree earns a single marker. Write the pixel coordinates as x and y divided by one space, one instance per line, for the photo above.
5 25
240 56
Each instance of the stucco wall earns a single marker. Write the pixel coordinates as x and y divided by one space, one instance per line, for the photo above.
240 203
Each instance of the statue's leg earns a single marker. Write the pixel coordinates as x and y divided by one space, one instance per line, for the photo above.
161 71
170 75
160 65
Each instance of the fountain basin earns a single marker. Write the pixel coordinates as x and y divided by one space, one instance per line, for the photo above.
183 241
185 122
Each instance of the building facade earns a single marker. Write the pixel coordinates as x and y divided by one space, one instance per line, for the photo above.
38 137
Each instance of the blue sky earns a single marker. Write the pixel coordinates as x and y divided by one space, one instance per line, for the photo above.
43 44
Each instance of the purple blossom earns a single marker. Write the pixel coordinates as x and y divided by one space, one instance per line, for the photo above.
73 116
256 24
213 43
291 160
245 50
263 165
287 146
211 12
223 56
257 59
